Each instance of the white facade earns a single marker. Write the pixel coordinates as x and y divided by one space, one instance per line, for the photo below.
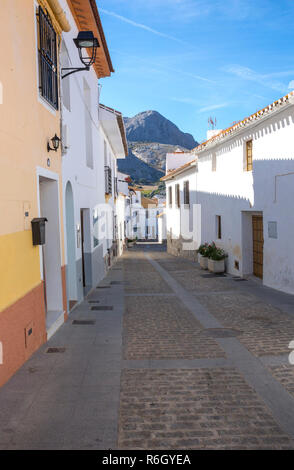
89 136
122 209
114 145
230 197
82 169
162 227
144 216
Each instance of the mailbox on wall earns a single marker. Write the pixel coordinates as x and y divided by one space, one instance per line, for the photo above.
38 229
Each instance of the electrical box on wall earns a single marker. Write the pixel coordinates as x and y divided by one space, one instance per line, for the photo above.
38 229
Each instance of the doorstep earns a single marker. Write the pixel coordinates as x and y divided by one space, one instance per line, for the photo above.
54 320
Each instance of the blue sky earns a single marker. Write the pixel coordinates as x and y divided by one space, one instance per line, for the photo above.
191 59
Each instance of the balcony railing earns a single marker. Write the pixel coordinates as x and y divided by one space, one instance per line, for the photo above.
108 180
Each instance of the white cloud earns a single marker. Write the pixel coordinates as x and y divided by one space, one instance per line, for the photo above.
266 80
212 107
164 67
140 25
291 85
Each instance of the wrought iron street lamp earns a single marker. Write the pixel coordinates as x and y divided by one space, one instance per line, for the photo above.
85 43
55 142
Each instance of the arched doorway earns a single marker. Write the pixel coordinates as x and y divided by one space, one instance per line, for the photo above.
71 274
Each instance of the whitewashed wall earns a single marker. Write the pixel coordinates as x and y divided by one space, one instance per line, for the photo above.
179 221
79 114
236 195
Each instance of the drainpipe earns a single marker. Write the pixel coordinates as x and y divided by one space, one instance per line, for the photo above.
60 15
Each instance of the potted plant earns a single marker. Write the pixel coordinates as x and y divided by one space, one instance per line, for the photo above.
216 260
204 253
201 251
131 242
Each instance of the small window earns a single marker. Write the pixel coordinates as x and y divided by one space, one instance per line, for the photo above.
219 227
170 196
186 193
249 155
213 162
47 47
177 188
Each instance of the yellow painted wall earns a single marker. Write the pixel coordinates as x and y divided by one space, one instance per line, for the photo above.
26 124
20 267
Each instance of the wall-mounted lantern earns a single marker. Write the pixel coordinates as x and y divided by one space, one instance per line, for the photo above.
85 42
55 142
38 229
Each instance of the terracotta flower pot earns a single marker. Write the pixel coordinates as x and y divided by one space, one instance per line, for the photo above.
203 262
216 266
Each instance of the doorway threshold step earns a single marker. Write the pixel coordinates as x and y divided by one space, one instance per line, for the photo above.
54 320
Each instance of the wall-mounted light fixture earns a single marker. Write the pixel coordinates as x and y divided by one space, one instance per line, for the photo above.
85 42
55 142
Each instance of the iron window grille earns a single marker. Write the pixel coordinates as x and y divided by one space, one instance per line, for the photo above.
108 180
177 188
48 59
186 193
115 186
170 197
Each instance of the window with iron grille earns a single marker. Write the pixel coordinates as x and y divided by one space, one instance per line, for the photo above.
108 180
249 155
218 227
170 196
177 189
48 78
186 193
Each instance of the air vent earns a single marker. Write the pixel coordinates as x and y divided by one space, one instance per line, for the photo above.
55 350
83 322
213 275
101 307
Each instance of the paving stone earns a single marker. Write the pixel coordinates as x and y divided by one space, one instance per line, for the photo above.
192 424
161 328
285 375
265 329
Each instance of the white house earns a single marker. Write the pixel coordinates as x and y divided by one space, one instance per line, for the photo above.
115 147
244 187
92 138
180 204
122 209
144 215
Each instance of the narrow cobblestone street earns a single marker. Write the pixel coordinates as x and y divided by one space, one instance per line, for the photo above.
161 355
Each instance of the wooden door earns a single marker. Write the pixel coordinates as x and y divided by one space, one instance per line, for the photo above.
257 228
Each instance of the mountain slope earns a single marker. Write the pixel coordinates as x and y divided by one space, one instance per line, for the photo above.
152 153
151 126
140 171
151 136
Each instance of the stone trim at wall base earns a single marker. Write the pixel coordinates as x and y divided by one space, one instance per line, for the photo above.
175 248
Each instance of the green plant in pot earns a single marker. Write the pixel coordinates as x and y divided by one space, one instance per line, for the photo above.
204 252
216 260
